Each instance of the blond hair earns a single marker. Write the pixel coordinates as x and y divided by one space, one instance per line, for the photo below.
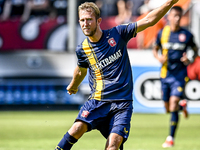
88 6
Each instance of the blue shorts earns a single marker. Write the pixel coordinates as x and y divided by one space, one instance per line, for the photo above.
172 87
107 117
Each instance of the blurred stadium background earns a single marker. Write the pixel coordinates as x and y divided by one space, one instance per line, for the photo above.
37 52
37 57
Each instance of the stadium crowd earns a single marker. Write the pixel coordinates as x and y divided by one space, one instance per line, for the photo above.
114 12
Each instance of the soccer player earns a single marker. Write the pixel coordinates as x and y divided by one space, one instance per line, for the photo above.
104 54
173 40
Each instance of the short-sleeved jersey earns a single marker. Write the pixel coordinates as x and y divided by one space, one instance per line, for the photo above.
110 75
173 45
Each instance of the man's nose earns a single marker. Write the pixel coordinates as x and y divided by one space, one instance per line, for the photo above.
178 17
85 22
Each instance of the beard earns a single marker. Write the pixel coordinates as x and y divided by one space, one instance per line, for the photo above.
91 33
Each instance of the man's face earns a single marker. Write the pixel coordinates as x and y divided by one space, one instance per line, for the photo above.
88 22
174 17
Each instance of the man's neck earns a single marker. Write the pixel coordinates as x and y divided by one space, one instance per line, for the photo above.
96 37
174 28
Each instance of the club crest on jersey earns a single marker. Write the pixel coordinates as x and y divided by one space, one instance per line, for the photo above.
182 37
85 113
112 42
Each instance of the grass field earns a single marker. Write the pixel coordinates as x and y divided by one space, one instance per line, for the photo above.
43 130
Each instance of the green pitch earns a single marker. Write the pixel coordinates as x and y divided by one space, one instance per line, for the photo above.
43 130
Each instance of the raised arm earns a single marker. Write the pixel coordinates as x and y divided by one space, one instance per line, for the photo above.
155 15
79 75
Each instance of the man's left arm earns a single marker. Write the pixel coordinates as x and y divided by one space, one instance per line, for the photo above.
185 59
154 16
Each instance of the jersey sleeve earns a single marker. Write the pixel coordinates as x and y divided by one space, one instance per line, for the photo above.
127 31
82 59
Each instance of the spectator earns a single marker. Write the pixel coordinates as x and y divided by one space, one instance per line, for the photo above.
1 6
135 5
107 7
35 8
145 8
12 8
59 7
124 13
124 16
82 1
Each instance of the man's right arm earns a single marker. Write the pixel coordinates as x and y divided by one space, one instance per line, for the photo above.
160 58
154 16
79 75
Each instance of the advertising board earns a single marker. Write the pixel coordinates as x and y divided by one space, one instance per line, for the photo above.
147 86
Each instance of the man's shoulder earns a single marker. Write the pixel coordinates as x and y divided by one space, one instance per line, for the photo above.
185 30
126 28
80 46
161 31
110 29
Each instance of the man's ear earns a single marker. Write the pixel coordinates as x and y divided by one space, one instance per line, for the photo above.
99 21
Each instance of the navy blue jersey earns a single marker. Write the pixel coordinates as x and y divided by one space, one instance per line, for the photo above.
110 75
173 45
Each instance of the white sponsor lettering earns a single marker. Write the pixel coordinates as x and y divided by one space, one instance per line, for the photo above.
150 95
105 62
152 90
174 46
192 90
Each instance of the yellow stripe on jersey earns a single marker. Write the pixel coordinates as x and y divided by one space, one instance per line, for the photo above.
93 61
164 40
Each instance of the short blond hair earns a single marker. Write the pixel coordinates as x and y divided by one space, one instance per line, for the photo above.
87 6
